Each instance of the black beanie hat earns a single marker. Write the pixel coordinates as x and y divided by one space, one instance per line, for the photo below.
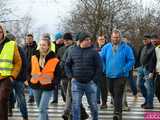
82 36
146 36
154 36
67 36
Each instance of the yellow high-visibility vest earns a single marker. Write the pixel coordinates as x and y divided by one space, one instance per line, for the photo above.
53 47
6 59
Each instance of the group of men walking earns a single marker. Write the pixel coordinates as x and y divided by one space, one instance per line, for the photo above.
79 66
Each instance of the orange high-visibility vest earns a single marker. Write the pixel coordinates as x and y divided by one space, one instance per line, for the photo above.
46 75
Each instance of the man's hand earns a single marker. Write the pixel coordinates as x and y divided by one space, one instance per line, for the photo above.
150 76
11 78
26 83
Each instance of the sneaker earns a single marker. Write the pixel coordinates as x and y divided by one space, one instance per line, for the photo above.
115 117
147 107
65 115
84 115
31 99
54 102
143 105
103 106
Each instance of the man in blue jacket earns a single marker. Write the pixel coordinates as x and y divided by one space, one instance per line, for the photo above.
118 60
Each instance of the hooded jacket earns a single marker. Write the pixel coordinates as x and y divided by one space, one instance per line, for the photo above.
117 64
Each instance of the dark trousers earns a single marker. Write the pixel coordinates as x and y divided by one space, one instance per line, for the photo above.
55 93
68 98
18 89
64 85
116 88
104 89
5 88
157 86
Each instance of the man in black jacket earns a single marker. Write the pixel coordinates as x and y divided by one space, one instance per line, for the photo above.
83 66
30 47
68 103
68 41
147 60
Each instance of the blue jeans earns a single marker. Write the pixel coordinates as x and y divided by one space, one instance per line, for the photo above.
18 87
78 90
42 99
12 99
146 85
132 83
30 92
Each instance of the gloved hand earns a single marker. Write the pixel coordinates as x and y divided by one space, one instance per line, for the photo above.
150 76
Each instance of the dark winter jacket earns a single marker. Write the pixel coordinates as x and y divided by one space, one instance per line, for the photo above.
22 76
137 64
62 55
147 57
29 51
83 64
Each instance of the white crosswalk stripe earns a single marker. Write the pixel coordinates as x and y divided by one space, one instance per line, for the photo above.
55 111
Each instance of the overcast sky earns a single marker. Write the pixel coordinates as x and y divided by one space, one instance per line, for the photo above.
44 12
47 12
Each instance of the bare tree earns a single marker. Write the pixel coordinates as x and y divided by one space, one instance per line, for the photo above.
102 16
99 16
4 10
143 20
20 27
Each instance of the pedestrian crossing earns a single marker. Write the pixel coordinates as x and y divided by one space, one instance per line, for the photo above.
55 110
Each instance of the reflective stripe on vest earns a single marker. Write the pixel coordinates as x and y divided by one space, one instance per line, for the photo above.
42 78
45 76
6 59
